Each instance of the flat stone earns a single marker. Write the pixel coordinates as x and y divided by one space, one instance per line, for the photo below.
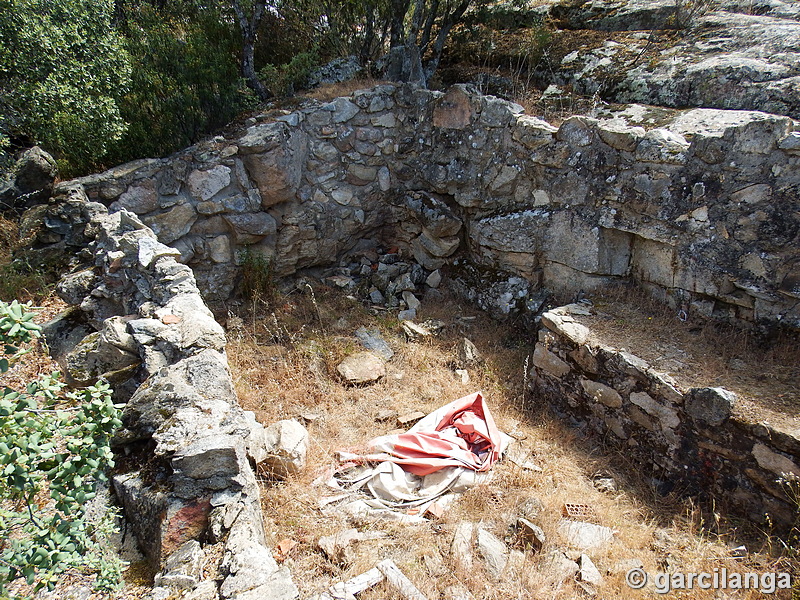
139 199
343 110
531 534
384 179
666 415
588 573
791 143
281 448
409 419
439 246
494 552
662 146
376 297
583 535
620 136
372 340
205 590
461 546
411 300
214 455
710 405
150 249
567 327
434 279
549 362
467 353
362 367
183 568
602 393
558 567
250 228
407 315
772 461
173 223
204 185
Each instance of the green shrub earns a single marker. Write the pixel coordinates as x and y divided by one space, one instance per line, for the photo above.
63 68
56 443
186 82
284 79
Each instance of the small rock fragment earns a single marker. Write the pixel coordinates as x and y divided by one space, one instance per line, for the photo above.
372 340
588 572
583 535
461 547
409 419
434 279
468 354
362 367
530 534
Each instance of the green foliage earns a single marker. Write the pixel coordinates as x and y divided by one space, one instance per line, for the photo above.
186 82
62 68
19 279
258 278
52 443
284 79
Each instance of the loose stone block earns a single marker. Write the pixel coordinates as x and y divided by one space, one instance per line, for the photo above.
710 405
549 362
602 393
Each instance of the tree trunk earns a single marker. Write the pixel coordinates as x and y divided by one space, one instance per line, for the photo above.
249 31
249 71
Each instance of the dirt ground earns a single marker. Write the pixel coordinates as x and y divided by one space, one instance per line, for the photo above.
764 373
283 357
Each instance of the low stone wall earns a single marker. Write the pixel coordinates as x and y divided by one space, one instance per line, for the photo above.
141 323
700 206
690 441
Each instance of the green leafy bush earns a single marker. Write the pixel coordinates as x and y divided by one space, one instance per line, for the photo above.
52 444
186 82
283 80
63 68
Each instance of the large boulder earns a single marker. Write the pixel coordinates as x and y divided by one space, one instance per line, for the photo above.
33 178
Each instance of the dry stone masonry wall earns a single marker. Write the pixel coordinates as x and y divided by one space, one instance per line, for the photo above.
141 323
693 441
700 206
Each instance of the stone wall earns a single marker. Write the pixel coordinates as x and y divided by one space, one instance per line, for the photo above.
700 206
693 442
187 451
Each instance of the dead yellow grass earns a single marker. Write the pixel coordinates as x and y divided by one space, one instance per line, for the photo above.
297 377
328 92
765 374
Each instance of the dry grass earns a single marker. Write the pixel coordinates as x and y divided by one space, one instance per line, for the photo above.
327 92
296 376
765 374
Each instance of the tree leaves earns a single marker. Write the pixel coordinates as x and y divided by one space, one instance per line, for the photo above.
63 68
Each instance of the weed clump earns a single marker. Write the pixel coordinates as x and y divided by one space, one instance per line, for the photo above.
258 277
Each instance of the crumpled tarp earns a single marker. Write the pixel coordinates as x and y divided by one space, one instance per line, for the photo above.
445 453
